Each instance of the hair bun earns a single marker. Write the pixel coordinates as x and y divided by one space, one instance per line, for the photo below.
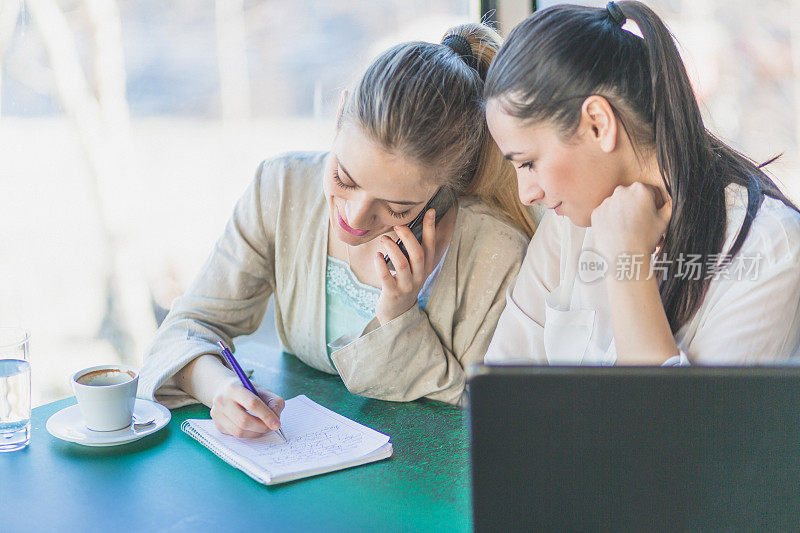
460 45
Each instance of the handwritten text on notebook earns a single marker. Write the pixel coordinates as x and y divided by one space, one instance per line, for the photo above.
332 440
317 438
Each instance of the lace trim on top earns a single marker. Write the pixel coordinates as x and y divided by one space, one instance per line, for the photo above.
358 296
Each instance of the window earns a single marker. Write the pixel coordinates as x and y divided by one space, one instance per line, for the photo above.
129 129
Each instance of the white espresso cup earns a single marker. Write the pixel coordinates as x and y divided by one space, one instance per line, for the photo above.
106 395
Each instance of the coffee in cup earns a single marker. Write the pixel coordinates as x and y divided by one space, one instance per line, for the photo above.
106 395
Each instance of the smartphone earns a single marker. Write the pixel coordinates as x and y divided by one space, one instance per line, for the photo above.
440 203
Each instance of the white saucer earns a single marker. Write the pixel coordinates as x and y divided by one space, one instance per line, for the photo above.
67 424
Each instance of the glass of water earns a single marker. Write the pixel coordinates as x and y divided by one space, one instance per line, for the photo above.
15 389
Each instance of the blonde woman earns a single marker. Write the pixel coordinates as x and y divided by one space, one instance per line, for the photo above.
313 230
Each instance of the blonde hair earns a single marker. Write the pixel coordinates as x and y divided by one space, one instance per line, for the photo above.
423 101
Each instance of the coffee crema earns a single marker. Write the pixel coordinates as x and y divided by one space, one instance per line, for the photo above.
104 377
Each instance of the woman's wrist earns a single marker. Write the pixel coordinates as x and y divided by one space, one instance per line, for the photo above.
203 377
385 318
641 330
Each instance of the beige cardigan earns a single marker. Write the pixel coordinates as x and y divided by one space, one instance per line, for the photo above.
276 243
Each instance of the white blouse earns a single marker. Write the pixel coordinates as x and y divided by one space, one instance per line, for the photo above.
557 310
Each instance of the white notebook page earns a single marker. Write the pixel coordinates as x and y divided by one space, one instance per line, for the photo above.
317 438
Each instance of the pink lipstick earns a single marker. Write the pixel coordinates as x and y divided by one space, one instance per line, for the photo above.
347 228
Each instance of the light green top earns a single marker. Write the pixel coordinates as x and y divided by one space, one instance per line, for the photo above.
349 304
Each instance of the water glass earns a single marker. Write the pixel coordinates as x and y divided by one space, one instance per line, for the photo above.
15 389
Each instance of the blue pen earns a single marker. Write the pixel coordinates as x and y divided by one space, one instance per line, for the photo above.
245 382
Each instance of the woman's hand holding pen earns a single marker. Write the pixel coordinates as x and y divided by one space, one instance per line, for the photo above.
399 291
238 412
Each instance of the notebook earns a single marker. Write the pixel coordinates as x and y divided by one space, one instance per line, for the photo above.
318 441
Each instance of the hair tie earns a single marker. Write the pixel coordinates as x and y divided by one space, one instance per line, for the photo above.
460 45
615 14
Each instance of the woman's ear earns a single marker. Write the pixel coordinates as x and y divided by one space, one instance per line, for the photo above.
341 109
599 122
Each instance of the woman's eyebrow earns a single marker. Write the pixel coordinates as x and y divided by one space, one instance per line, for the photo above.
357 185
511 155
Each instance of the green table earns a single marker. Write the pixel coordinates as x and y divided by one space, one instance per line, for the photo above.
169 482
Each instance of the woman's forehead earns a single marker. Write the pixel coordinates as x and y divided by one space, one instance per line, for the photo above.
381 173
514 135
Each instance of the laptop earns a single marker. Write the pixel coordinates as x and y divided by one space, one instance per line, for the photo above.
635 449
